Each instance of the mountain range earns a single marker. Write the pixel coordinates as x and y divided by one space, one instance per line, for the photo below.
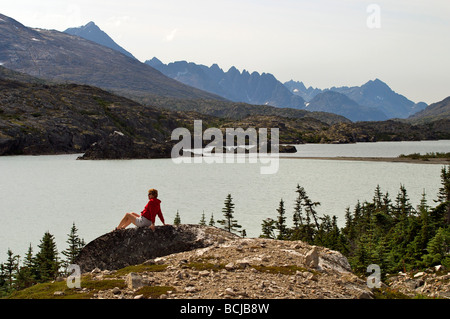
374 94
236 86
373 101
66 58
87 55
62 57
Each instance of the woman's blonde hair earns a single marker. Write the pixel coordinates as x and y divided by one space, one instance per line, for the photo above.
153 192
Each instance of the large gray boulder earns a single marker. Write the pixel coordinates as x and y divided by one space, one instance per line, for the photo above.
133 246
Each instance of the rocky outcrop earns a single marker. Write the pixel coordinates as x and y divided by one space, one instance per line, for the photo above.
287 149
119 146
194 261
132 246
249 268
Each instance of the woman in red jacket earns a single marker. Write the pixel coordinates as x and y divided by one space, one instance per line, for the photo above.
148 215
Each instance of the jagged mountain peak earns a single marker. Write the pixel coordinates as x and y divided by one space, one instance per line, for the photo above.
377 84
92 32
154 62
234 85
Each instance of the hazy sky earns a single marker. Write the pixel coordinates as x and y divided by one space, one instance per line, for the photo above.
323 43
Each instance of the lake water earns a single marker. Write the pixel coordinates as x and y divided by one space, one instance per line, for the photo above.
49 193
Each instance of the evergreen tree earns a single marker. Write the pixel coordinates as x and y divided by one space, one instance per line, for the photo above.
211 220
203 220
298 218
378 197
3 281
444 192
311 212
281 222
75 246
305 230
425 228
349 228
229 223
11 269
26 276
268 227
402 208
439 249
361 258
47 263
177 220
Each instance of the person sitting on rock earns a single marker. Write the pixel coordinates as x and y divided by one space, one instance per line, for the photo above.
148 215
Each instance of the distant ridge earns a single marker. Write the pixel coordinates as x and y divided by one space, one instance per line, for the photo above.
436 111
253 88
92 32
338 103
373 101
374 94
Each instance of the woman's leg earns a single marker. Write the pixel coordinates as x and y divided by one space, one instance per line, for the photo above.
127 220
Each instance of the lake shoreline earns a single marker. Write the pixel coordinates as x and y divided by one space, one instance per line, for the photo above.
441 161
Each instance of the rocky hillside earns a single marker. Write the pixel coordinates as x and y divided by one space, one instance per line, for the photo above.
434 112
67 118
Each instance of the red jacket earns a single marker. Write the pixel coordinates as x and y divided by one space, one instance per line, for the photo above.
152 209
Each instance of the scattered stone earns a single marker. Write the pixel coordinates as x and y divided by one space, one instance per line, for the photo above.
149 262
204 273
230 266
190 289
243 263
438 268
96 270
116 291
312 258
58 293
134 281
365 295
230 292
